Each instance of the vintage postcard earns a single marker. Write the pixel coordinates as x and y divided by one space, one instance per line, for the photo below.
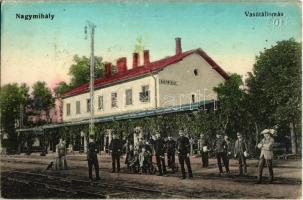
151 99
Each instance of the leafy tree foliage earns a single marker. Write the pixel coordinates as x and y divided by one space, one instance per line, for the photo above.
42 99
80 70
274 87
12 98
231 110
61 88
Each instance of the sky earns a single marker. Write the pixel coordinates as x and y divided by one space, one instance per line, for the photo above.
42 49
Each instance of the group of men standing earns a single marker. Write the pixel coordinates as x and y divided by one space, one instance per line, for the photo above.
222 147
116 152
160 147
182 146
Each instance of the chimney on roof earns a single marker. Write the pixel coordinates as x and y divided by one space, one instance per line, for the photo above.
135 60
122 65
178 46
108 69
146 57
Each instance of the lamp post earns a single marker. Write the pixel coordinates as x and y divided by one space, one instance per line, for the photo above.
91 28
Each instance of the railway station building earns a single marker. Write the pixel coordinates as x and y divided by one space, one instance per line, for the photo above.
179 83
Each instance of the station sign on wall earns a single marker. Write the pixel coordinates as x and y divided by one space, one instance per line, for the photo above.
168 82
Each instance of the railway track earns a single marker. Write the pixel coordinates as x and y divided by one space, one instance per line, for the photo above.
18 184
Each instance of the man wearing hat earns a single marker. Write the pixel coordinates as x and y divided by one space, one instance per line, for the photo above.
240 153
92 158
266 156
220 148
159 152
183 148
116 149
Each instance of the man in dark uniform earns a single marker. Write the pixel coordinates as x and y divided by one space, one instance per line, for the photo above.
183 148
116 150
228 149
159 152
171 150
92 158
220 147
240 152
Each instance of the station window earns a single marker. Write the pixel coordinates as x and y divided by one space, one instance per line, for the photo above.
145 94
114 99
129 97
78 110
88 105
100 102
68 109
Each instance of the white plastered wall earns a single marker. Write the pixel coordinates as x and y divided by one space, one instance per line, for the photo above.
135 85
187 83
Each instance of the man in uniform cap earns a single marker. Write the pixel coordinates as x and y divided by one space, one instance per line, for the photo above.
159 153
266 156
183 148
92 158
240 153
116 148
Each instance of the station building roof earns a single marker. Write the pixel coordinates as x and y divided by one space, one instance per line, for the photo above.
143 70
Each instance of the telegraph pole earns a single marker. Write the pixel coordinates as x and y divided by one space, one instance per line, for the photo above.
91 28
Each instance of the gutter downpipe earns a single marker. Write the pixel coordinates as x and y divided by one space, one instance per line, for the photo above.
156 90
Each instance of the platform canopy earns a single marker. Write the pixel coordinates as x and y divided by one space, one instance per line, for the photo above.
133 115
